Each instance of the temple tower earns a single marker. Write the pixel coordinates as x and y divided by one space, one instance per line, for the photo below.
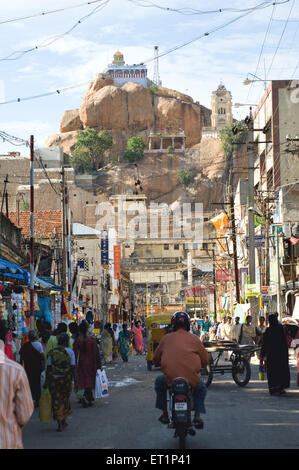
221 107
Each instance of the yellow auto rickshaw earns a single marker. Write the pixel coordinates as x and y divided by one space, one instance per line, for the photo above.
156 327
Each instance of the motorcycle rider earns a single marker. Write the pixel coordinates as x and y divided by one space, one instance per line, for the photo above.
181 354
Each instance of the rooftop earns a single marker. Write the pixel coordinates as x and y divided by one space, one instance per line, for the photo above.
45 223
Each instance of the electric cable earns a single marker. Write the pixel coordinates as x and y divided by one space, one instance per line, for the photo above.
45 13
47 42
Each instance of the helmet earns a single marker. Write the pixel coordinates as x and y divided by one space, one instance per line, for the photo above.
180 319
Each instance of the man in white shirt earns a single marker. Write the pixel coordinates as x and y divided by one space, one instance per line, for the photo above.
237 329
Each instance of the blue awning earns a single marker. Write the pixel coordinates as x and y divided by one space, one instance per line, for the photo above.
9 269
12 270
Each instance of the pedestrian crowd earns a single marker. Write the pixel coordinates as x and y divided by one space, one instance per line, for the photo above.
272 338
52 364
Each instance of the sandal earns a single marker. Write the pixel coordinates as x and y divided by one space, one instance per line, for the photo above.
164 420
198 423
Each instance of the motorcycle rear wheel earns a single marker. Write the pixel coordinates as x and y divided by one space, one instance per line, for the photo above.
181 431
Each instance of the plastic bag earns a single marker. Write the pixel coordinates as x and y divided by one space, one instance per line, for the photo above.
101 386
45 407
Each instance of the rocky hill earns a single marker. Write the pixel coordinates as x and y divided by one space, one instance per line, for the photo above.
132 110
128 111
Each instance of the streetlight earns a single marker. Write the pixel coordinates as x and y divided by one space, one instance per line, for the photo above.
238 105
248 81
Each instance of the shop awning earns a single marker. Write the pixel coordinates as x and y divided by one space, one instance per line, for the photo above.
9 269
12 270
47 284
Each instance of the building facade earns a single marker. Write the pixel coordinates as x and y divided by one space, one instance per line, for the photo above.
122 73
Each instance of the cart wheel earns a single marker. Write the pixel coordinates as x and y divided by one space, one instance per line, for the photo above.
241 371
149 365
206 375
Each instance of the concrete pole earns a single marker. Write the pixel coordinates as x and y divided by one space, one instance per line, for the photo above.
251 240
31 232
278 275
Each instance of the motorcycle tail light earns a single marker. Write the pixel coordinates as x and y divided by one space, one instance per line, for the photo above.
180 398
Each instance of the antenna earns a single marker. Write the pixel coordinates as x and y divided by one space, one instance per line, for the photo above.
157 80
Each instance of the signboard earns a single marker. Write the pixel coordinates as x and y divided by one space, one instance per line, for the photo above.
252 290
104 248
223 275
116 261
258 243
198 300
199 291
258 220
189 264
90 282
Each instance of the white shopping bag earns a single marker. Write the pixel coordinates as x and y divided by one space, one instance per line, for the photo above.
101 387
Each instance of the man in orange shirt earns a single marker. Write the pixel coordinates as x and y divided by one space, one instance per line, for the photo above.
16 405
181 354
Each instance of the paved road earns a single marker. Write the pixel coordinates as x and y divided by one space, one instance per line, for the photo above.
237 418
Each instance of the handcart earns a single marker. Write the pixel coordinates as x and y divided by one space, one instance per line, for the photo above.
238 364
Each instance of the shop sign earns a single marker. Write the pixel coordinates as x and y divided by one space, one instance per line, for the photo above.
259 241
90 282
252 290
104 248
117 262
223 275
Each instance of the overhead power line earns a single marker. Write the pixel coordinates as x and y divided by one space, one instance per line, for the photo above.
195 11
163 54
45 13
16 55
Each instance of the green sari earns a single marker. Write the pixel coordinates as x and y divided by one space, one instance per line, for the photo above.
59 381
124 339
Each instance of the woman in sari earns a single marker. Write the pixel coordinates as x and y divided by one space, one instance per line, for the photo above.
88 361
107 343
138 338
124 343
60 372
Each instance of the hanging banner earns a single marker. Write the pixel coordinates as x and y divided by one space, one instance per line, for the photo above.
189 265
223 275
116 262
104 248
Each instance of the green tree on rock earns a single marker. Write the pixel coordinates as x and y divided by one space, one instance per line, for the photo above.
185 177
135 149
90 148
231 141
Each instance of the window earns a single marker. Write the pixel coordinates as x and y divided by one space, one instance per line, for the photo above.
176 247
205 246
166 246
221 111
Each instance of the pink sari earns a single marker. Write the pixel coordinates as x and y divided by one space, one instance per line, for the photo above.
138 339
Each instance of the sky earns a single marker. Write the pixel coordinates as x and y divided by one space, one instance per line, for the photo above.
263 43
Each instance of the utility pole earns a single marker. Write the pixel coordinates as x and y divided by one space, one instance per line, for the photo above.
251 239
4 191
278 274
251 228
214 282
63 229
31 231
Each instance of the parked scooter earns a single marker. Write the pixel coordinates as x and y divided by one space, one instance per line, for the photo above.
180 405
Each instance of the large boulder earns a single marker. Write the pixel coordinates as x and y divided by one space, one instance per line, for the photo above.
70 121
130 110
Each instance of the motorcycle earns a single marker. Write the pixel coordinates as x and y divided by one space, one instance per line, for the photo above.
180 405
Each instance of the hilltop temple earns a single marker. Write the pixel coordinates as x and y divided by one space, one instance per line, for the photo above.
122 73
